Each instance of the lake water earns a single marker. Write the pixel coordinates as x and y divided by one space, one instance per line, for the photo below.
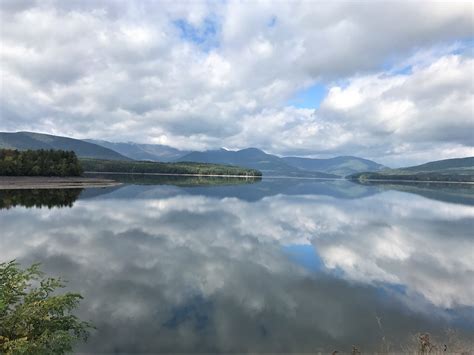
278 265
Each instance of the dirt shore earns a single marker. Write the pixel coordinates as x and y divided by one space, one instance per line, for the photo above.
45 182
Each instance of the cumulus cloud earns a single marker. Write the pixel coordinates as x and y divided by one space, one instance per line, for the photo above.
200 75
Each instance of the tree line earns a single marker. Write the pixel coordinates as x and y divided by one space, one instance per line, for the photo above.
454 176
39 163
140 167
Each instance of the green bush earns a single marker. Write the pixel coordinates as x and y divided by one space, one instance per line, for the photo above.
34 319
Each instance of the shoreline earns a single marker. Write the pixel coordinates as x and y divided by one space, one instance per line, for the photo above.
285 177
52 182
170 174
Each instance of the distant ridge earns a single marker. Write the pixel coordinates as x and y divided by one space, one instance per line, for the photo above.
253 158
137 151
342 165
250 157
35 141
289 166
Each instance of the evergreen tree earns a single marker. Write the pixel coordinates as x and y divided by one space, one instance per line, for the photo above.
39 163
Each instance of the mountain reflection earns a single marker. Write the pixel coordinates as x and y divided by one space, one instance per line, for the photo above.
254 189
168 269
155 179
448 192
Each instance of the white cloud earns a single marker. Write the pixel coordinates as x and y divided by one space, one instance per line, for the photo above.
224 74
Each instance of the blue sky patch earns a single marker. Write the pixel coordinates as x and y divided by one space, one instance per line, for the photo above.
466 47
310 97
304 255
204 35
462 47
402 71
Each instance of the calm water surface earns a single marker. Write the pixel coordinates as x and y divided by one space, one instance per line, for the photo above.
189 265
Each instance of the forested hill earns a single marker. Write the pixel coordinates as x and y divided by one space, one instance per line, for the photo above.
443 165
459 169
35 141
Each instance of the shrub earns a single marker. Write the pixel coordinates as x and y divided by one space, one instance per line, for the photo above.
34 319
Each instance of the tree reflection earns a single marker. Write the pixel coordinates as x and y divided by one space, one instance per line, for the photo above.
38 198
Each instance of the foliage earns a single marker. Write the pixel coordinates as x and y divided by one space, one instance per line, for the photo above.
39 163
33 318
117 166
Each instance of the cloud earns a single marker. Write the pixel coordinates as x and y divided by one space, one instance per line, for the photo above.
389 117
429 109
204 74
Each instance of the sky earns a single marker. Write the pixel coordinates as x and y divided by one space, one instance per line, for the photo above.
385 80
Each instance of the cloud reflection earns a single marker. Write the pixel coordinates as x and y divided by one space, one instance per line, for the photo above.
198 273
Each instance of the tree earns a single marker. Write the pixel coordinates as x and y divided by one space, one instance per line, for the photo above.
39 163
33 320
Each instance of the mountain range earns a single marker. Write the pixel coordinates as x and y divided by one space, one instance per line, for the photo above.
250 158
254 158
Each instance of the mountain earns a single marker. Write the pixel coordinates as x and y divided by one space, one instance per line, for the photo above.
342 166
458 169
34 141
289 166
442 165
253 158
136 151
